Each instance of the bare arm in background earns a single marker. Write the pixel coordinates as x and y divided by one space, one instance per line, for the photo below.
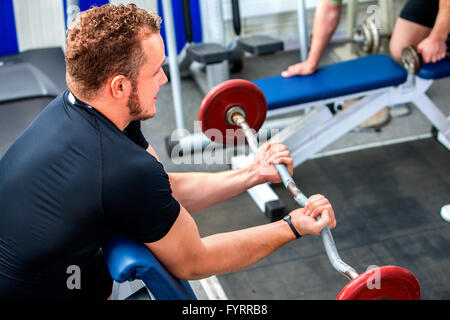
326 20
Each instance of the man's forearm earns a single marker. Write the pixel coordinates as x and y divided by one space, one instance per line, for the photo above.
199 190
236 250
326 20
187 256
442 25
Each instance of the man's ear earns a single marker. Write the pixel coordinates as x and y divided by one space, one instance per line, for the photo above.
120 87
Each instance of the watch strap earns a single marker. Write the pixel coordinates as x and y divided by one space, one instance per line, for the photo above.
288 220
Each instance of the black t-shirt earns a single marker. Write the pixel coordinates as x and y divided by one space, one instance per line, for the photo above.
69 182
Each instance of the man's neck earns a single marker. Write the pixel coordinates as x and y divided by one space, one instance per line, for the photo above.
118 115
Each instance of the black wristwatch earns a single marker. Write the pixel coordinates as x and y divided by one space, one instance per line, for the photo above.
288 220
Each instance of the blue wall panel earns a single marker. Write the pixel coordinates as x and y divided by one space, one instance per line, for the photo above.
8 35
179 23
177 14
86 4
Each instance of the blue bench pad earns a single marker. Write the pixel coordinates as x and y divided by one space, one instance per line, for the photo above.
440 69
128 259
334 80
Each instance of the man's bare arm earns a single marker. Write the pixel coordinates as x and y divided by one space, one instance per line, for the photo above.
326 20
200 190
187 256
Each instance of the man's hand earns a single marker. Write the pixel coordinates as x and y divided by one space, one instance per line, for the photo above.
305 219
271 153
299 69
432 49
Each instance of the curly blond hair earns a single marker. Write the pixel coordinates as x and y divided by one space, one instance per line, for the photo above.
105 41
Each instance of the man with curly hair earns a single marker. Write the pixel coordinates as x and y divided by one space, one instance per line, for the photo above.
83 171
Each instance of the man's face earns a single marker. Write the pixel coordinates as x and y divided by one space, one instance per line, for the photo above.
142 99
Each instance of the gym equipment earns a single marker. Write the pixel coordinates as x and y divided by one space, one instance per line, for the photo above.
193 58
212 118
223 108
206 53
395 283
366 36
40 73
29 81
254 44
207 63
412 60
129 260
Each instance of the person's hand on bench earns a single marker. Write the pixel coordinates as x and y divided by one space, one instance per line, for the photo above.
300 69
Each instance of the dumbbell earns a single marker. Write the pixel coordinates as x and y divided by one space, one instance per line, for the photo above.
367 37
412 60
238 107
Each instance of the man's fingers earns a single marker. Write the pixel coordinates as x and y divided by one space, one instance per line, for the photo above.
280 157
323 221
293 70
278 153
312 202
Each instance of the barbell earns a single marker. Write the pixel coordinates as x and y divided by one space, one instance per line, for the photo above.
240 104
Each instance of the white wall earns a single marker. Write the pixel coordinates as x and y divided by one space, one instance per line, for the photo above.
39 24
150 5
279 18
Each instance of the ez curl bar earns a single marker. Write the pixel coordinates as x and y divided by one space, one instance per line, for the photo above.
238 103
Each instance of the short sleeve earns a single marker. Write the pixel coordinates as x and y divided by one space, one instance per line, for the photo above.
138 199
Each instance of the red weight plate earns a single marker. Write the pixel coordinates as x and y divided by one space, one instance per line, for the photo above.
218 100
382 283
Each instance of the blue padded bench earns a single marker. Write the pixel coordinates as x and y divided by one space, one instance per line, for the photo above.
343 78
334 80
438 70
128 260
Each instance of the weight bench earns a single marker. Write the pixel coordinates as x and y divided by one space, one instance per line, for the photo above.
377 79
129 260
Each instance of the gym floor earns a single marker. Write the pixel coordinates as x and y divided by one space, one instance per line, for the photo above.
386 199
